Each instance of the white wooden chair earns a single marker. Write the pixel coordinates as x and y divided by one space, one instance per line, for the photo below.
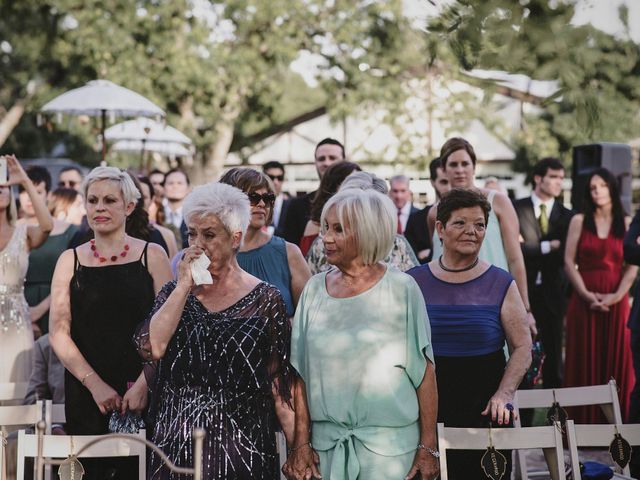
16 416
598 436
61 446
548 438
606 396
12 392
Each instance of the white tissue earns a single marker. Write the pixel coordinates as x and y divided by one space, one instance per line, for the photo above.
199 270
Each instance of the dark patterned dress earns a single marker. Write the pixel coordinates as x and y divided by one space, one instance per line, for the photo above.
218 373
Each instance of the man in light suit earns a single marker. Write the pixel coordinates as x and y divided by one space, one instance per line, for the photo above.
544 222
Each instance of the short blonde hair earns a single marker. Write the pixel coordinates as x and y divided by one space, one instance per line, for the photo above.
130 193
228 203
370 216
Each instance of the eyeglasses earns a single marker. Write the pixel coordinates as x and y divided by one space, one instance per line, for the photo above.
68 184
268 198
273 178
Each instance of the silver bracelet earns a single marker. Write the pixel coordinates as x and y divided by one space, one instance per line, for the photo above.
434 453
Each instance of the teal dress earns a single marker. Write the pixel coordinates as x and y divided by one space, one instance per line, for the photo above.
270 264
492 249
42 263
362 359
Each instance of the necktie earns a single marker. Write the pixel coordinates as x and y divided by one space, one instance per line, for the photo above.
399 227
544 219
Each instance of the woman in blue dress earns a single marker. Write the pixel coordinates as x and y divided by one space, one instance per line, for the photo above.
473 307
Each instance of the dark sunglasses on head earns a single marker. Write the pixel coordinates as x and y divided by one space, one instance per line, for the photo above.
280 178
267 198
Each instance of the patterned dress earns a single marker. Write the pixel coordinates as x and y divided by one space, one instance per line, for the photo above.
16 336
217 374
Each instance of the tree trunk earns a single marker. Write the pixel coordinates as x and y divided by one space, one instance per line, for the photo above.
11 120
216 154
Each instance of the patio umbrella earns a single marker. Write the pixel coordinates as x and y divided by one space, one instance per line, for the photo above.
171 149
99 98
146 130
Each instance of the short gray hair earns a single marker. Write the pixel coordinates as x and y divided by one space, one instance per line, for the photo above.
130 193
370 216
365 181
401 179
228 203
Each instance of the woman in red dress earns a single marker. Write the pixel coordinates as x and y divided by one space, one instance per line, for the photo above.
597 342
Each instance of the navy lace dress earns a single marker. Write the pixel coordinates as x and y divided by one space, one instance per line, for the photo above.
218 373
468 341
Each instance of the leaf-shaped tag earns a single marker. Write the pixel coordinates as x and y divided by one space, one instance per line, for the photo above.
620 450
72 470
494 464
557 414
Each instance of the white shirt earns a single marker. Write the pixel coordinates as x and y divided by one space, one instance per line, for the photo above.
404 215
174 217
277 210
545 246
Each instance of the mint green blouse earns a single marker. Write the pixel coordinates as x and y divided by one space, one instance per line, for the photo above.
362 359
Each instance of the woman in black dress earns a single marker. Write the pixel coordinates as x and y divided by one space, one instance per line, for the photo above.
101 291
222 350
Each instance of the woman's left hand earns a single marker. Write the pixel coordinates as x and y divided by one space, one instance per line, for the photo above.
607 299
15 173
136 398
500 407
425 465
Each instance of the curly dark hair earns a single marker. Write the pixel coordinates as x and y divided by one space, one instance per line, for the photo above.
138 221
458 198
331 181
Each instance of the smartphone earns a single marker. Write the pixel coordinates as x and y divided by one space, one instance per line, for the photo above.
3 170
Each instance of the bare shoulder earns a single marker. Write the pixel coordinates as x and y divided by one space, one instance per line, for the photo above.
64 266
292 250
627 222
156 252
577 220
502 202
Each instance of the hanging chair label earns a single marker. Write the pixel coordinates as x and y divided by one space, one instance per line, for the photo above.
494 464
620 450
72 470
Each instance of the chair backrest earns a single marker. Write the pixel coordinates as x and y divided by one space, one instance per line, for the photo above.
597 436
549 438
12 391
61 446
11 416
606 396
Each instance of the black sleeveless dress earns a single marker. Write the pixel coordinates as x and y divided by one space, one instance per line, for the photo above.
107 304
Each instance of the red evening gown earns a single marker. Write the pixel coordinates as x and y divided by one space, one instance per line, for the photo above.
597 343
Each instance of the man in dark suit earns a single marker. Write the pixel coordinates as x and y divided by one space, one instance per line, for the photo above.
400 193
275 171
544 222
632 256
417 233
328 152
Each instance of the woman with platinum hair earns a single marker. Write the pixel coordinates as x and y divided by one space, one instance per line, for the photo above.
366 398
401 254
101 291
222 350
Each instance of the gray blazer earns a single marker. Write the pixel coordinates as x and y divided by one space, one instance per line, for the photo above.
47 378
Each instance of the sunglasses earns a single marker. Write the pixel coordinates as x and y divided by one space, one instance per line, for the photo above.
68 184
280 178
268 198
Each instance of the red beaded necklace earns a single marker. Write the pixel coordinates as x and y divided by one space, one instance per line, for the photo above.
104 259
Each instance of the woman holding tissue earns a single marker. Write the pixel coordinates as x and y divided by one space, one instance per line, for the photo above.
101 291
220 337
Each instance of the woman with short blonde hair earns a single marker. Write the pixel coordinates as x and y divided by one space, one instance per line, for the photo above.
366 399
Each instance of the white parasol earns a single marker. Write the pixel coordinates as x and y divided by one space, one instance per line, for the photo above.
100 98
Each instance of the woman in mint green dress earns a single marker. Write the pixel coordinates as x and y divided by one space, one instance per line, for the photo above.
366 398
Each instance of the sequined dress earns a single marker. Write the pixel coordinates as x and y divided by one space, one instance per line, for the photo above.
217 373
16 336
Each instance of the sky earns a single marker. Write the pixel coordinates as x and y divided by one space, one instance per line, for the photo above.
603 14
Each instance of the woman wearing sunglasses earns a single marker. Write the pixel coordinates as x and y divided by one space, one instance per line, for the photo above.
270 258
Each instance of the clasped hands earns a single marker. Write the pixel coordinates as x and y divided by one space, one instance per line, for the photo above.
600 302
